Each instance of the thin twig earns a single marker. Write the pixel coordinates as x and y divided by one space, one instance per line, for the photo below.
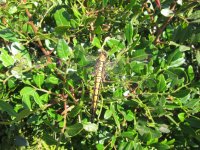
65 117
161 29
64 113
149 12
30 22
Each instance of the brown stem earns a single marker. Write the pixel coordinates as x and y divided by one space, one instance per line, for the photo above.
45 52
65 117
149 12
161 29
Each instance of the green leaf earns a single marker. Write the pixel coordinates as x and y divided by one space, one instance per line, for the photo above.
6 59
61 30
161 86
76 12
137 67
139 55
193 103
7 108
107 114
129 116
49 139
62 18
115 45
198 57
75 111
115 116
123 145
113 141
167 12
90 127
129 32
195 15
181 93
181 117
96 42
38 79
99 21
190 72
52 79
175 59
26 92
21 54
26 100
74 129
105 2
11 83
164 128
44 97
12 10
129 134
8 35
63 50
100 147
24 113
184 48
130 145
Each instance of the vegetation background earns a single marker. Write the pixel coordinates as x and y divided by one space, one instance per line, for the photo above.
151 99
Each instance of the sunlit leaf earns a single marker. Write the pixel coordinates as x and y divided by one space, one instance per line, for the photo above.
181 116
38 79
61 17
191 72
96 42
167 12
100 147
26 93
21 54
129 116
52 79
107 114
6 59
63 50
164 128
90 127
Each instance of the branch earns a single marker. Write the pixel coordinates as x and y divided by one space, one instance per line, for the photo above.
161 29
30 22
64 113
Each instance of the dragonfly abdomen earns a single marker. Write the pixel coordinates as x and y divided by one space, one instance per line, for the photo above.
98 79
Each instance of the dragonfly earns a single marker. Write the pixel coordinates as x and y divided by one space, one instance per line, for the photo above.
109 70
99 75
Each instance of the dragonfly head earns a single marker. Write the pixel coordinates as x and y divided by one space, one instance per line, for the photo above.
102 56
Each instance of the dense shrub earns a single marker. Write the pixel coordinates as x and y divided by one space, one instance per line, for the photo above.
150 98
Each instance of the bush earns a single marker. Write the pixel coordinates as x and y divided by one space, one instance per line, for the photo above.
150 97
